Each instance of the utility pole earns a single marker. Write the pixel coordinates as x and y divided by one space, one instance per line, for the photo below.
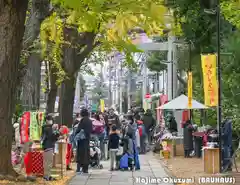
110 84
144 89
129 79
156 79
219 107
120 89
117 82
171 69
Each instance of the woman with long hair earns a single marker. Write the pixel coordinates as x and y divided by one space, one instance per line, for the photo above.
101 132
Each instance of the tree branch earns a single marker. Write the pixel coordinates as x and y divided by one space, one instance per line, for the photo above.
181 80
40 9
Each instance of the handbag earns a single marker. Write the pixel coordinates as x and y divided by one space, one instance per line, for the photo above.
80 136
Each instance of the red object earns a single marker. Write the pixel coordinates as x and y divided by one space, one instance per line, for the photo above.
64 130
140 131
37 163
203 135
28 163
185 117
139 122
163 99
69 154
147 96
25 122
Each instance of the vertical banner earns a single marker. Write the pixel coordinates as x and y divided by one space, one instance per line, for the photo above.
25 122
210 79
190 90
34 127
163 100
102 106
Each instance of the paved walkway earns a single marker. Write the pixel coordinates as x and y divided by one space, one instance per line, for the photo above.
151 170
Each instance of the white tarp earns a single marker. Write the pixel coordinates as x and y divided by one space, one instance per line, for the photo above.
181 103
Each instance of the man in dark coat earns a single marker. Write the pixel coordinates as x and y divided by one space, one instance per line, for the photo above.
172 124
149 123
187 138
227 142
83 148
114 119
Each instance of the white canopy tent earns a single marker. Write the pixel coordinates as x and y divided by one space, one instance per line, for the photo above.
181 103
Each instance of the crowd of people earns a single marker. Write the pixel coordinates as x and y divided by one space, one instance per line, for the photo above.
129 135
118 138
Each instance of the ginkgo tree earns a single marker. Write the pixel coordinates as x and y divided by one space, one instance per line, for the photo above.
80 28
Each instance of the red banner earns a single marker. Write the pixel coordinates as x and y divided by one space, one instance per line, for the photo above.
163 100
25 122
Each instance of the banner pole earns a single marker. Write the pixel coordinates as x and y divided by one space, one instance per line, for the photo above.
190 70
219 107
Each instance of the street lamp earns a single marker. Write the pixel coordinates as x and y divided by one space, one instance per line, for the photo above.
213 7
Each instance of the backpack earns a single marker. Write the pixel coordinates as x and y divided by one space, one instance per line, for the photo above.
130 131
80 136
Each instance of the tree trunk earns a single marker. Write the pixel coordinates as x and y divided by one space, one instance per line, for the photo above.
12 18
67 101
31 83
31 88
52 91
71 64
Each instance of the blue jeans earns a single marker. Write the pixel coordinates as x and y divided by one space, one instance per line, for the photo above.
226 155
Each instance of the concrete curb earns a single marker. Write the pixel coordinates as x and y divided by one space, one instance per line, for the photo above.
70 179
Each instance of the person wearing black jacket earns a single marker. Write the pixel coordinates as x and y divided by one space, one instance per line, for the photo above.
49 138
113 146
114 118
83 145
149 123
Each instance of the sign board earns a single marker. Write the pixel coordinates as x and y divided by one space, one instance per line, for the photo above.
94 107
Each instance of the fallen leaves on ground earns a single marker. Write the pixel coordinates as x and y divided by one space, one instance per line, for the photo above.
59 181
190 167
67 176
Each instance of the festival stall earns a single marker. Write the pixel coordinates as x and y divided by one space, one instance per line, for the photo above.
30 136
210 150
175 143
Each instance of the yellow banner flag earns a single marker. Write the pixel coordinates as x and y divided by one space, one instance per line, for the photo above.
190 89
102 106
210 79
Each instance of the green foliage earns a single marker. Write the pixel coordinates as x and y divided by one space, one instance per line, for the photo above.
231 11
51 36
110 22
99 90
139 98
18 112
200 28
155 61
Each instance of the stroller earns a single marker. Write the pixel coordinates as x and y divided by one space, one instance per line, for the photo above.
95 154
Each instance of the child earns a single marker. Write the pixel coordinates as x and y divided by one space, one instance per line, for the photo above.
113 146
